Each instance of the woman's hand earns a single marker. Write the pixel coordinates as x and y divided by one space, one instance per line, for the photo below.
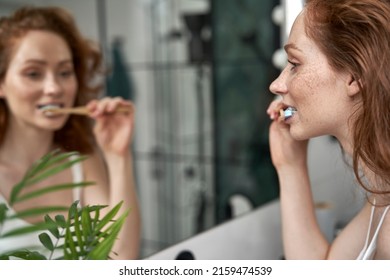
113 130
285 150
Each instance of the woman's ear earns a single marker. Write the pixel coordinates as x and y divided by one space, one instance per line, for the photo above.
352 86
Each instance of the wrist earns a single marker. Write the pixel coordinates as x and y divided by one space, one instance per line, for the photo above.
296 169
118 162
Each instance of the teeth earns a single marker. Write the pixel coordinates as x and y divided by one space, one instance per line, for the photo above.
47 109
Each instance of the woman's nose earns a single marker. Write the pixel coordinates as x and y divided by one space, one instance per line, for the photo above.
278 86
52 86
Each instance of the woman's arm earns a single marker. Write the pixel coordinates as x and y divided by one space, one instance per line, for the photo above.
351 239
302 237
301 233
123 189
112 170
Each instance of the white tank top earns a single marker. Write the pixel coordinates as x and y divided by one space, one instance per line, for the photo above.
31 240
369 248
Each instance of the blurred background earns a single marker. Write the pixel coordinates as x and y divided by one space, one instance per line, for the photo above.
198 72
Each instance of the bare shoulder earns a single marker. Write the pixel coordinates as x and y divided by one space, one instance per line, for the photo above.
93 165
350 240
383 245
95 171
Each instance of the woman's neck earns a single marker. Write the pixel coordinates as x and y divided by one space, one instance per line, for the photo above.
367 176
24 146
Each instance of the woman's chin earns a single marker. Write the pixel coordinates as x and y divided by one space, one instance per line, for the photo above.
53 125
301 135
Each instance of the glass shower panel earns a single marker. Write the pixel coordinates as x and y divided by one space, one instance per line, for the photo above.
183 121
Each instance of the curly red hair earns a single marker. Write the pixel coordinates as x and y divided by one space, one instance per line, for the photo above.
76 135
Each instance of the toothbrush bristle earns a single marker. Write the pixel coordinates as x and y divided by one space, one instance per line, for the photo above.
288 113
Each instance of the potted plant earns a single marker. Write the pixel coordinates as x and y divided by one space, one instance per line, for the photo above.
82 234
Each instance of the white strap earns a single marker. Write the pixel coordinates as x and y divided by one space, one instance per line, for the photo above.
77 174
372 246
363 251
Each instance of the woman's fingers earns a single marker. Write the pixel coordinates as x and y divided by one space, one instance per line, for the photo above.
105 105
274 109
108 105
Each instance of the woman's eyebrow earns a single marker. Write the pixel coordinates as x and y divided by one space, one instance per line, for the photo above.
289 46
43 62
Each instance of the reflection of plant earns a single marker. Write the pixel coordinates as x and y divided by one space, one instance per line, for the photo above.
83 234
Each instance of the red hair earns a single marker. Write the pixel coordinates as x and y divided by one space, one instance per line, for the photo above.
76 135
355 37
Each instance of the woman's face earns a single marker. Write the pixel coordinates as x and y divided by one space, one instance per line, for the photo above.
40 73
308 84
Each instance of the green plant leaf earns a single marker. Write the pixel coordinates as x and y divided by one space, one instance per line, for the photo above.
46 241
36 166
53 227
41 163
52 189
26 229
15 191
3 212
109 216
52 171
38 211
70 252
87 224
50 159
93 208
78 229
48 165
60 220
24 254
103 249
72 210
96 209
58 157
84 234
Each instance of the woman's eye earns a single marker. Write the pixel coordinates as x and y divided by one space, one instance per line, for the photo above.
66 73
33 75
293 64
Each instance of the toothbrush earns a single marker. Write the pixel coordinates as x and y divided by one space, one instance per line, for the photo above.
287 113
79 110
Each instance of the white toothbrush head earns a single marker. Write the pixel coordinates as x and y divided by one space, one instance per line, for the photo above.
287 113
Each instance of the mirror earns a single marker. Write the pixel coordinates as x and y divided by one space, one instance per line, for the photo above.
207 158
198 72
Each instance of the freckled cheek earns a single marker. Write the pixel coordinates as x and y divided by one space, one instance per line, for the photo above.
306 83
300 88
304 92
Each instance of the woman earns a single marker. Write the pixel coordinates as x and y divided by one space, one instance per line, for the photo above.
336 83
46 63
